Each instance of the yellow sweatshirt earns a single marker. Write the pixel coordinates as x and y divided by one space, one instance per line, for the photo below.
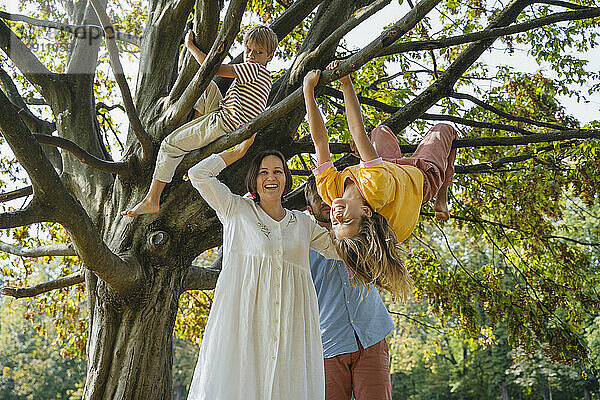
394 191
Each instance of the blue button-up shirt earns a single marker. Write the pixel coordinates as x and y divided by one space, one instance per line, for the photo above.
343 313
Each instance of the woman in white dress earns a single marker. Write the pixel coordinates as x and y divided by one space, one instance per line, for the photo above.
262 338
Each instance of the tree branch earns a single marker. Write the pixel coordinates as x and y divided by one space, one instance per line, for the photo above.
79 31
585 13
338 148
205 28
357 60
438 117
201 278
282 26
32 214
48 83
49 190
115 62
28 152
559 3
119 168
501 225
341 31
16 194
476 124
503 114
49 250
11 90
20 292
443 86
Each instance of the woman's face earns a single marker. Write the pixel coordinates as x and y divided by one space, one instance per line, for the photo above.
347 211
270 182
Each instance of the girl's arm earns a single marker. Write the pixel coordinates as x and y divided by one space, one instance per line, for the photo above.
224 70
318 132
354 117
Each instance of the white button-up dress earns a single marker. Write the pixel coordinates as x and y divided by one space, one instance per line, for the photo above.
262 338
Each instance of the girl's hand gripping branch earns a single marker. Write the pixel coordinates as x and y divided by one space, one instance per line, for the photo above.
318 132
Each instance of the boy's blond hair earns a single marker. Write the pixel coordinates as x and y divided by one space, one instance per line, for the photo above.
263 36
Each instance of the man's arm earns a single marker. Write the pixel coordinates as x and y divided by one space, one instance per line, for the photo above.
226 71
318 132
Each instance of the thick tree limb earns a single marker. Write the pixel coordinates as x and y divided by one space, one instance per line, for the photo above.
49 190
20 292
46 183
32 214
49 250
16 194
48 83
11 90
15 97
585 13
201 278
79 31
115 62
181 107
292 16
339 148
112 167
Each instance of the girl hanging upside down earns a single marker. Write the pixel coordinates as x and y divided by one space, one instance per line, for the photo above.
375 205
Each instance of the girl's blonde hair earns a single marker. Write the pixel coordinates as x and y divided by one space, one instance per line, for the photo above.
374 256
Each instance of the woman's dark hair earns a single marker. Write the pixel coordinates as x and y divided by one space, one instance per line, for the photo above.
373 256
252 174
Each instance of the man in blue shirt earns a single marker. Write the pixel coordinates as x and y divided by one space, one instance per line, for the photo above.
354 324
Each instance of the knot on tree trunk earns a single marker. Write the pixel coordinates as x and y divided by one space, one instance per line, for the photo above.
159 242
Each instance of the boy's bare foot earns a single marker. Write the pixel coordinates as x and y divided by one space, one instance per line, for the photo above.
146 206
441 205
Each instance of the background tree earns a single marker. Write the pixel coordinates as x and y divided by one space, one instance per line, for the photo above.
527 160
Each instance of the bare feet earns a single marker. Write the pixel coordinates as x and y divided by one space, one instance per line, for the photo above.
441 205
146 206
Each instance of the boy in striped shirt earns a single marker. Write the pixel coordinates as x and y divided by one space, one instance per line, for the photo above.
215 115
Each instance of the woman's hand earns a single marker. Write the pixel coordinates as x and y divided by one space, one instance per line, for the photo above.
238 151
344 79
311 79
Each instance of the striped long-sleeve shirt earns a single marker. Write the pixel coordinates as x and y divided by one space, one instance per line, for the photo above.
247 96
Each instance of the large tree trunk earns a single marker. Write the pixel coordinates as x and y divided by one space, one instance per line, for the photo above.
130 346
